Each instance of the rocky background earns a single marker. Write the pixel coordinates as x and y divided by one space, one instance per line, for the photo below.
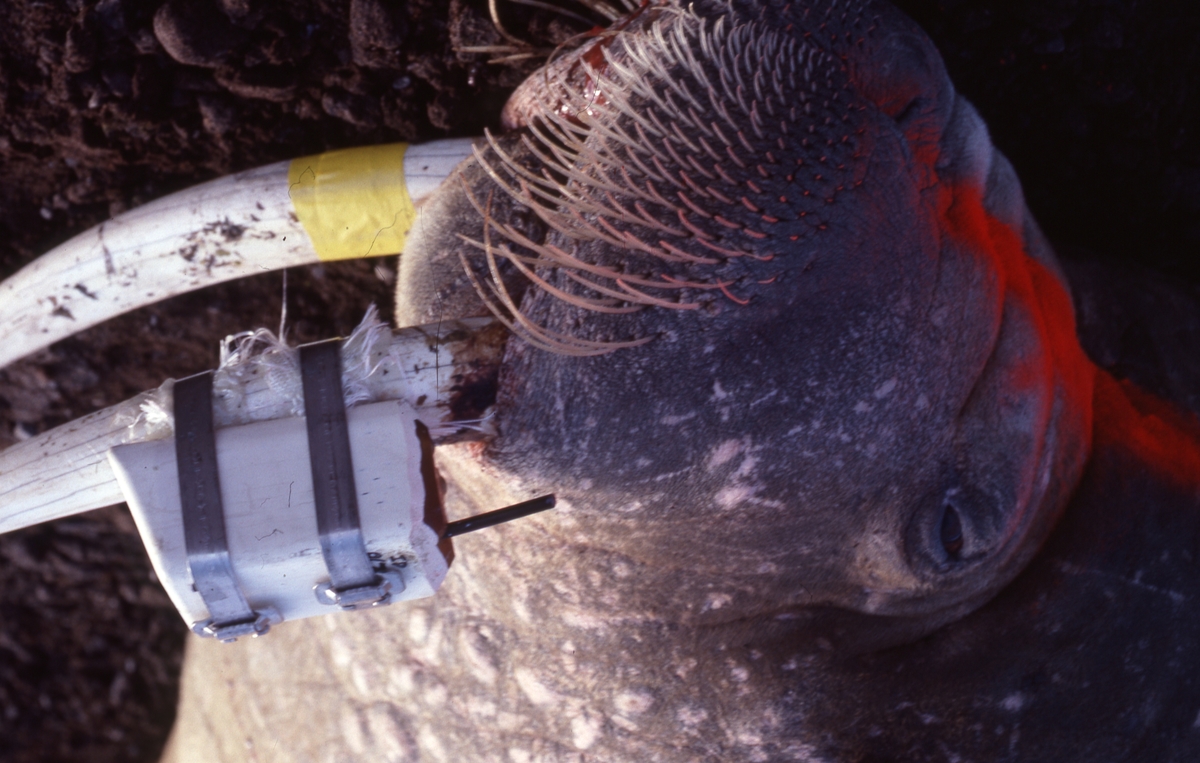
106 105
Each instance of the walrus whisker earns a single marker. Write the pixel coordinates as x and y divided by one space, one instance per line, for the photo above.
734 157
647 299
555 257
636 190
699 234
603 235
720 108
628 161
495 14
663 171
712 152
675 157
717 131
739 94
618 212
614 134
573 174
515 319
549 152
564 225
574 299
692 160
615 294
691 257
653 222
551 257
688 284
725 290
508 163
519 324
757 81
628 239
688 117
691 204
658 197
629 76
678 46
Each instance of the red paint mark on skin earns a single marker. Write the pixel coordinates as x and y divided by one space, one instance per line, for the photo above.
1153 431
1024 279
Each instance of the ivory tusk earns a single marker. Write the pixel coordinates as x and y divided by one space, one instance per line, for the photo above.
438 369
340 205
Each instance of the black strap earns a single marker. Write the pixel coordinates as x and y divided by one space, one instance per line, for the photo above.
204 517
353 582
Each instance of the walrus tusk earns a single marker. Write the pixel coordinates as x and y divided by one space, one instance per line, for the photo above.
66 471
339 205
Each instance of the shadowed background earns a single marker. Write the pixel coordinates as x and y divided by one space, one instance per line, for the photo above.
104 106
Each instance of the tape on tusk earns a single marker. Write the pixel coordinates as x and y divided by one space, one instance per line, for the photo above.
353 203
361 202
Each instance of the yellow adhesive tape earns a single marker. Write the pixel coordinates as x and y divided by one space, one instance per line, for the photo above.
354 202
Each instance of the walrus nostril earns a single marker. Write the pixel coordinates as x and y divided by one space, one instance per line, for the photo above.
909 112
951 532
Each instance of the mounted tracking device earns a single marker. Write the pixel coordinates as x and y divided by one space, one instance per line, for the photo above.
291 482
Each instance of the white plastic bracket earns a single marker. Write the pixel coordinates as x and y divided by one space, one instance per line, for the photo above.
272 535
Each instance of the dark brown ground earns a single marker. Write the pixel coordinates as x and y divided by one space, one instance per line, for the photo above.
1097 102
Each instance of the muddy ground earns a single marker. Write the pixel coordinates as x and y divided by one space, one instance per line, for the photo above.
106 105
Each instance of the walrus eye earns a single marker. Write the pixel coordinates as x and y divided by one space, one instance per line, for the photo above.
951 533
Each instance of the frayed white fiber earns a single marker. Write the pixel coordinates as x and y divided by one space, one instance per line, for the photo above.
251 360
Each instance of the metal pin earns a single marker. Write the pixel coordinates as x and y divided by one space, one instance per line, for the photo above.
499 516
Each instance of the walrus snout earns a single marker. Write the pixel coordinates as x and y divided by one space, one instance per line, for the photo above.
792 340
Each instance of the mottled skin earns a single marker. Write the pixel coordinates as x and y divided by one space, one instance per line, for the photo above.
750 561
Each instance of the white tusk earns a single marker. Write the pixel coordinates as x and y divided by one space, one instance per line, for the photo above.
340 205
66 471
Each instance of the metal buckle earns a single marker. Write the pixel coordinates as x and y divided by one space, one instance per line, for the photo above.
363 597
229 632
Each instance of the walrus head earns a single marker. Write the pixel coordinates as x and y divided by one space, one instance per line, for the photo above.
794 345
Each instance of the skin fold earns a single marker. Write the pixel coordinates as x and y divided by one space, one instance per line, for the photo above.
836 480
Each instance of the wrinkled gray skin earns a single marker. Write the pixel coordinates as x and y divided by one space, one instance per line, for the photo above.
747 501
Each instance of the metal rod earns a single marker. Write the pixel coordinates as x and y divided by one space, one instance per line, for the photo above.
499 516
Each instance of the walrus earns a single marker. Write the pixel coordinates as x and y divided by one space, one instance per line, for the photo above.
836 480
